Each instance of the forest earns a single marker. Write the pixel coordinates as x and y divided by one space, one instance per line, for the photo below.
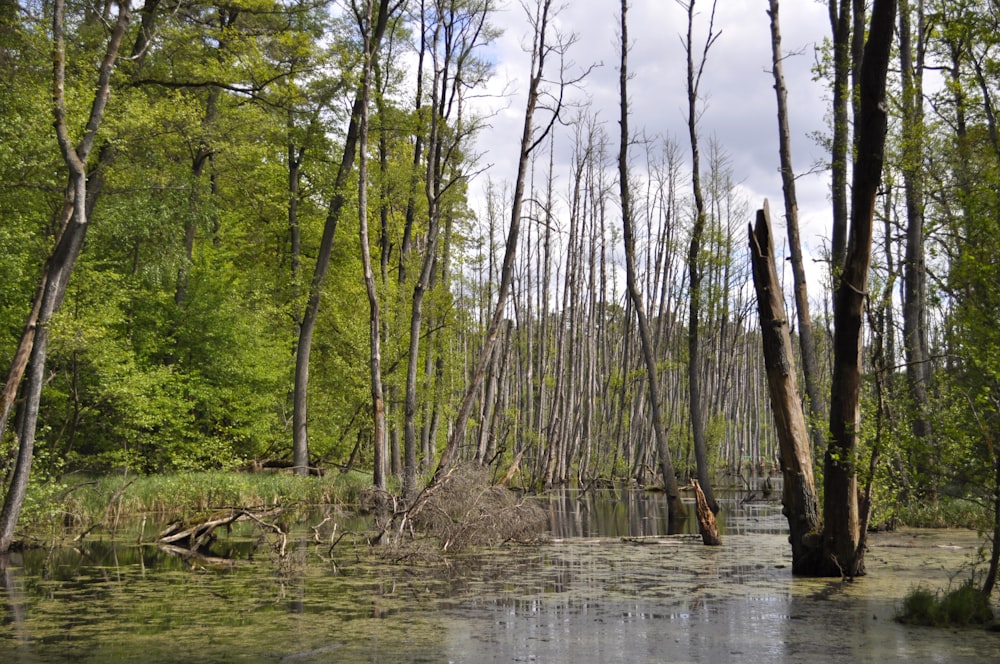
243 234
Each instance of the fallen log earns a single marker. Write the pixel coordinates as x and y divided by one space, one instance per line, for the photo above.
197 534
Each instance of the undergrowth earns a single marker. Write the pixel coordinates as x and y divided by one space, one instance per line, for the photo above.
944 513
112 499
961 607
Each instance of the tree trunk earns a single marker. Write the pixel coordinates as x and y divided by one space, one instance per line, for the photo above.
840 25
915 347
807 345
677 512
303 349
706 518
840 506
374 321
799 490
59 266
694 259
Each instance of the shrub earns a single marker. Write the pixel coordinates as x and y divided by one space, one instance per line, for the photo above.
960 607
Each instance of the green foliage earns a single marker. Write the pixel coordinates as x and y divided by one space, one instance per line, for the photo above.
81 501
944 512
174 347
961 607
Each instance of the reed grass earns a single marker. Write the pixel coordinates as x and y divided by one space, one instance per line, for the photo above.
944 512
960 607
180 495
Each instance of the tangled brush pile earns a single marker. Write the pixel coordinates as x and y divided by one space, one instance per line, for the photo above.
465 510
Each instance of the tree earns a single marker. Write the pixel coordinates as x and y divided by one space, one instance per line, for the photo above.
843 542
799 497
531 138
458 30
840 548
364 18
807 345
300 438
31 355
915 342
677 511
695 269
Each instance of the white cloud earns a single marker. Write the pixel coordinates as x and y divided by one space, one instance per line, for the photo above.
738 108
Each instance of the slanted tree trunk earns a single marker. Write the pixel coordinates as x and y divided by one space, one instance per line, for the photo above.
799 489
303 349
542 47
33 347
841 531
677 512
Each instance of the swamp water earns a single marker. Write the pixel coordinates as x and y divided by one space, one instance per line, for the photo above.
586 596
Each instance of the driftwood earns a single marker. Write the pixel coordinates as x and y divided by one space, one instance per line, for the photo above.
706 517
195 535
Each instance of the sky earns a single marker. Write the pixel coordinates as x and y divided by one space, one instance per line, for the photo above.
737 95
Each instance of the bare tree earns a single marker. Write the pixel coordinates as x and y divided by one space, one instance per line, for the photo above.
807 345
695 272
531 138
798 488
677 510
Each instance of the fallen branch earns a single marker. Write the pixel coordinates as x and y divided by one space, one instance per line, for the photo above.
196 534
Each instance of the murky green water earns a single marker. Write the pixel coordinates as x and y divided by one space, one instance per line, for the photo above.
577 599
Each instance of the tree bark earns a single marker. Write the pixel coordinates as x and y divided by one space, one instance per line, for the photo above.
303 349
706 518
807 345
841 534
59 266
677 513
801 506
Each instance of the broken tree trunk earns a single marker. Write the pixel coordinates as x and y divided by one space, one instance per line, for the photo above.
799 488
706 517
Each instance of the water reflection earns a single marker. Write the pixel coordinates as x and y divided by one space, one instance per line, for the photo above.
587 597
626 512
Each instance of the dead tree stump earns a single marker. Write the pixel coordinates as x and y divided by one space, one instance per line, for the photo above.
706 518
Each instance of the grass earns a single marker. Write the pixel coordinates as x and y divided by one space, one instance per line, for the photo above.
89 500
944 513
961 607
